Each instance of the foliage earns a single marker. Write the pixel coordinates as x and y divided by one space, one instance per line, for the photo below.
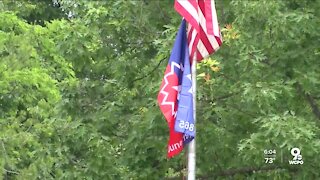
79 80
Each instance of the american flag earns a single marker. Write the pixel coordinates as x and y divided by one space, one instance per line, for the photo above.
204 36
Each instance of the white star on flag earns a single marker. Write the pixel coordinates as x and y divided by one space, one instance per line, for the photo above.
189 77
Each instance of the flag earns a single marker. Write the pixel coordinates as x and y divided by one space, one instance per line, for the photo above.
204 36
175 96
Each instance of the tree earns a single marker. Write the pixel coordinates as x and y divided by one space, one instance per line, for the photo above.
79 83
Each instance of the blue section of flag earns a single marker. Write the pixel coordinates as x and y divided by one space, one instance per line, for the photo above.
179 50
184 122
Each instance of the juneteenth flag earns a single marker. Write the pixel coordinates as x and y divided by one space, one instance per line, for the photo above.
202 37
176 94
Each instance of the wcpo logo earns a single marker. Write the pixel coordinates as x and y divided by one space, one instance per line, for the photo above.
297 157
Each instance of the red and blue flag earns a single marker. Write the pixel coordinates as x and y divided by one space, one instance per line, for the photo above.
175 97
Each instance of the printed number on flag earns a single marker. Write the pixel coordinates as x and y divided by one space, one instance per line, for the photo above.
186 125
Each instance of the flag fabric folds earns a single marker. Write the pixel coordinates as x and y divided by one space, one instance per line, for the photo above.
175 96
204 36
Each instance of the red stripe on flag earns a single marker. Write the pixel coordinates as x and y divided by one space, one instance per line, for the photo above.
201 7
208 13
189 34
194 3
194 45
218 40
198 55
189 18
205 41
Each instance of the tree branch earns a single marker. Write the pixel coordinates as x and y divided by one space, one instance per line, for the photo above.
165 16
155 68
138 79
314 106
246 170
310 100
226 96
10 172
4 150
242 111
232 172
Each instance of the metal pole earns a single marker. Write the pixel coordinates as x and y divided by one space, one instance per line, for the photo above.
192 144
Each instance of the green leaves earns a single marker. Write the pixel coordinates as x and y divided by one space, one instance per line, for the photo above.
78 93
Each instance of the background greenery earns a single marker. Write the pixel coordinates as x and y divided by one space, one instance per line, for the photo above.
79 81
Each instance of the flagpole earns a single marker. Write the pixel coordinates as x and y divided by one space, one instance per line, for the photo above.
192 144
